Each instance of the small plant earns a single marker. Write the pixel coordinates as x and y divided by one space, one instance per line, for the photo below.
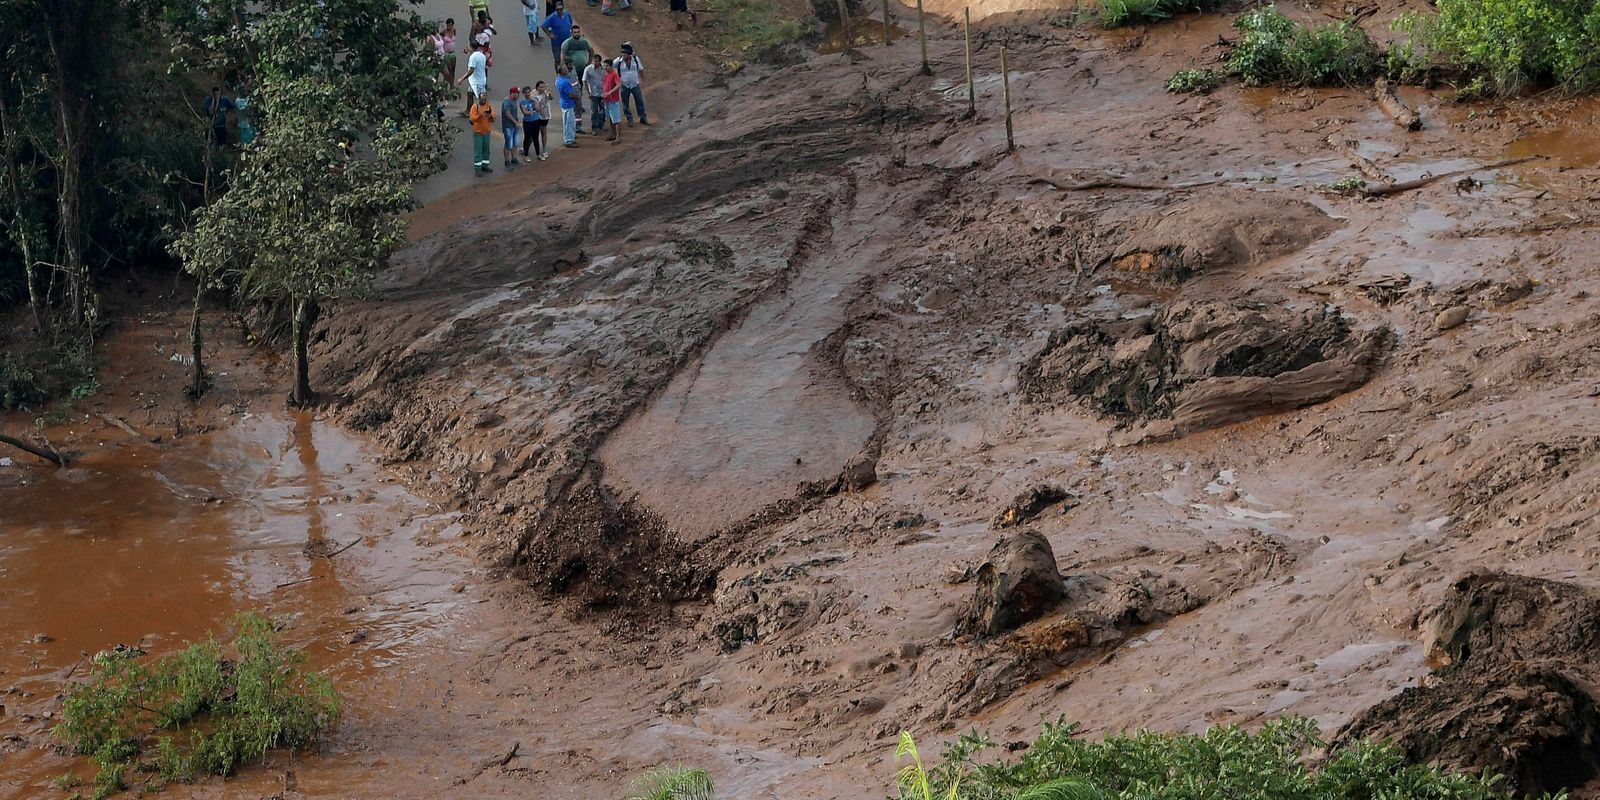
1350 185
1194 80
1119 13
1275 49
673 783
235 709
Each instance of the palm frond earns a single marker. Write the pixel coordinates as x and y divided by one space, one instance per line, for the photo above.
673 783
1061 789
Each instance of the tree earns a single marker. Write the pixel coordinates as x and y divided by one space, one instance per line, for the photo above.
314 208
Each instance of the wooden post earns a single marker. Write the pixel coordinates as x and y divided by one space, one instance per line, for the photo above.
1005 94
844 26
922 36
888 36
972 94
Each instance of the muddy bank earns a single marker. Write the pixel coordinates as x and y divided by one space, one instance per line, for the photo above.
756 415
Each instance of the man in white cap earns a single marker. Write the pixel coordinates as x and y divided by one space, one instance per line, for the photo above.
631 69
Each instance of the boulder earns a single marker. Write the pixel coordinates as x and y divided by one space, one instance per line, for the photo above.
1017 583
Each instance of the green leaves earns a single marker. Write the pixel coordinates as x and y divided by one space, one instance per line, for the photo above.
1275 49
1507 46
673 783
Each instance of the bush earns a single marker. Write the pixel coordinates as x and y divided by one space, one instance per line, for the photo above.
673 783
1117 13
36 369
1194 80
1224 762
755 24
1275 49
1506 46
235 709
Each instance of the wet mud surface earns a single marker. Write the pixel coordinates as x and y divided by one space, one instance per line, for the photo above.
745 428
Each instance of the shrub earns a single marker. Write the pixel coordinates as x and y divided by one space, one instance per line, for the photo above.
755 25
1117 13
1275 49
1505 46
1194 80
235 709
1224 762
673 783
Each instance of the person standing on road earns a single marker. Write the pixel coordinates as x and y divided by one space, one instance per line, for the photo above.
576 49
444 43
482 122
510 127
631 71
559 26
567 93
476 7
528 108
476 76
594 78
530 14
541 107
611 95
482 32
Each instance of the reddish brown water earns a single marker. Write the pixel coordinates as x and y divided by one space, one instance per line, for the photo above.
151 546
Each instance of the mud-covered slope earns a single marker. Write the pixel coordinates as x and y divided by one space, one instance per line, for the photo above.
769 391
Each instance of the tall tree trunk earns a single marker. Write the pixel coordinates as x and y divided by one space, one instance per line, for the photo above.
17 193
302 395
197 381
70 56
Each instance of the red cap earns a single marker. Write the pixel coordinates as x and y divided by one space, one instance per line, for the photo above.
515 90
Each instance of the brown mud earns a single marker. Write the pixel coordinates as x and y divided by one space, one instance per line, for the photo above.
749 418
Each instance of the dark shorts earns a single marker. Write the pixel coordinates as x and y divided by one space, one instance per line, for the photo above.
679 5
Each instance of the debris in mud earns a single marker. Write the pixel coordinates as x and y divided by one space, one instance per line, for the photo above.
1197 365
1450 318
1032 503
859 473
1018 583
1215 232
1515 687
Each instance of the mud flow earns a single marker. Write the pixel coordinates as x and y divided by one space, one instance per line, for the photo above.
153 546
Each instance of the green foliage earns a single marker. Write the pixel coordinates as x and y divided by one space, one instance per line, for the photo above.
233 710
1224 763
1349 185
1118 13
1507 46
1194 80
673 783
1275 49
36 368
755 25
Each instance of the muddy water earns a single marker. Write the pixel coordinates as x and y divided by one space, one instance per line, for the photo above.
153 547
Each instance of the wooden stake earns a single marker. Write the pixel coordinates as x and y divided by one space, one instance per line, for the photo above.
888 36
844 25
972 94
1005 94
922 36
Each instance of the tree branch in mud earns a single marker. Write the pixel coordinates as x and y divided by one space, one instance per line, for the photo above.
1363 164
43 451
1114 182
1394 108
1387 189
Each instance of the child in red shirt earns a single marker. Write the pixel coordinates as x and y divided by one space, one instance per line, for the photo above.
611 93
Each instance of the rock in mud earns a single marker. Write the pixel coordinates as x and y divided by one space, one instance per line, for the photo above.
1515 691
1203 364
1215 232
1017 583
1030 504
859 473
1450 318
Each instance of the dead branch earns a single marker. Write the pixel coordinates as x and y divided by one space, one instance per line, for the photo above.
1360 162
1405 186
1397 110
45 452
121 424
1116 182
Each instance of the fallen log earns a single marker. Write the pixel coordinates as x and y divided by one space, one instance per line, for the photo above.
1385 190
1360 162
122 425
1397 110
1116 182
43 451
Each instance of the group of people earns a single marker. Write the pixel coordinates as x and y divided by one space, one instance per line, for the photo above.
613 88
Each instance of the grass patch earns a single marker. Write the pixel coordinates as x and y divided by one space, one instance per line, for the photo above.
1194 80
1274 49
672 783
755 25
202 710
1119 13
1224 762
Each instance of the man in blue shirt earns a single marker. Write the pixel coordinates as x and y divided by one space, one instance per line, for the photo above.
567 90
217 107
559 26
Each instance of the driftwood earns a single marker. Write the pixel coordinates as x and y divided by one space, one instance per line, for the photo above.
122 425
1115 182
43 451
1387 189
1360 162
1397 110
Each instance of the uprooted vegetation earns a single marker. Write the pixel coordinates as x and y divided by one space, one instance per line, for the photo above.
1196 365
202 710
